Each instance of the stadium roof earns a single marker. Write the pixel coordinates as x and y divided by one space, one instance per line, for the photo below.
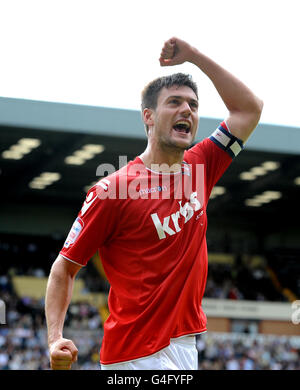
65 130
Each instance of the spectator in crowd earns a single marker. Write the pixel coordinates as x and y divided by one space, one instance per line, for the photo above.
23 339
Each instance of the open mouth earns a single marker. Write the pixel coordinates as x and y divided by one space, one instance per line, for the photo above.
182 127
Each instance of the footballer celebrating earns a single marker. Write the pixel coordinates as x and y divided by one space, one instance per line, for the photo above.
148 222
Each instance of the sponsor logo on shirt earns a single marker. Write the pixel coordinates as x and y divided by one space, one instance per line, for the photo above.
74 232
153 189
186 211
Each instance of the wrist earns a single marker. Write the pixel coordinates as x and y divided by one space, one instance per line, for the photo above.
53 339
194 55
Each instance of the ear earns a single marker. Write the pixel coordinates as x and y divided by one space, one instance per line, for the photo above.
148 116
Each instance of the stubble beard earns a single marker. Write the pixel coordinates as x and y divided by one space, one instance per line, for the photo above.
170 146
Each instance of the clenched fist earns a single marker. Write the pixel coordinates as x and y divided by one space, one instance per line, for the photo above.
63 354
176 51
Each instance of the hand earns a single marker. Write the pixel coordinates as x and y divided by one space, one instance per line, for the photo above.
175 52
63 354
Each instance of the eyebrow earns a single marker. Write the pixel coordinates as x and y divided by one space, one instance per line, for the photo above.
182 97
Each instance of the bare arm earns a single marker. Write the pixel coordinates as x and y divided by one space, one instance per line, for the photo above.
58 296
244 107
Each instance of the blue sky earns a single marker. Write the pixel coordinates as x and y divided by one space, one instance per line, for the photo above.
103 53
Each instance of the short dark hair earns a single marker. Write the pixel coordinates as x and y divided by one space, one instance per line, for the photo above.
151 91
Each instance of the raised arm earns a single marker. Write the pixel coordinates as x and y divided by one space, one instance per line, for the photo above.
58 296
244 107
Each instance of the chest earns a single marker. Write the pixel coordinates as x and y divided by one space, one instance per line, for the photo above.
164 219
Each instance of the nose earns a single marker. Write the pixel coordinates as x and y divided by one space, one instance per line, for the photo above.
185 109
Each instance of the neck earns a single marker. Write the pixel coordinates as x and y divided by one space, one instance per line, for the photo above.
166 160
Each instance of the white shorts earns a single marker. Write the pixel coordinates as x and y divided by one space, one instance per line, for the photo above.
181 354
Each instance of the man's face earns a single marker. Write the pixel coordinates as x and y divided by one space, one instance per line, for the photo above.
175 119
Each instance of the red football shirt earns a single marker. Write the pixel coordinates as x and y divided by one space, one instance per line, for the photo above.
150 231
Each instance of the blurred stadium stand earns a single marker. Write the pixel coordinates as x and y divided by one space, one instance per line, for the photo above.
254 250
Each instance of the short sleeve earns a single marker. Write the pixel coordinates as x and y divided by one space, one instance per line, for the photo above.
95 225
216 153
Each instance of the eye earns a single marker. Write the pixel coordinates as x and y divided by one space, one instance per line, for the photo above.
174 101
194 105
